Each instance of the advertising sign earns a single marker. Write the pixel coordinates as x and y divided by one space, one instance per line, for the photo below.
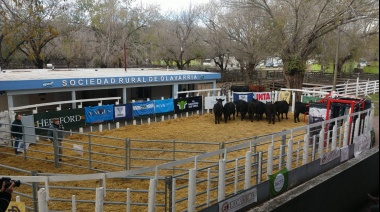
188 104
99 114
362 143
123 112
263 96
70 119
243 96
164 106
143 108
278 182
239 201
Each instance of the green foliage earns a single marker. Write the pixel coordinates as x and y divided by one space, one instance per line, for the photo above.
295 65
375 99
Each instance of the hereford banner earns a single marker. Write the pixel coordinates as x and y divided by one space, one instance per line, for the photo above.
188 104
123 112
163 106
143 108
70 119
99 114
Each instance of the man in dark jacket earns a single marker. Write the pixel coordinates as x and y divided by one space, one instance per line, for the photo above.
17 132
5 196
59 128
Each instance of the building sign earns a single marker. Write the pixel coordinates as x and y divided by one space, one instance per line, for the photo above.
239 201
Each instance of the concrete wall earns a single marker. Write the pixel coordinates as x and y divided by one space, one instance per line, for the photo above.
343 188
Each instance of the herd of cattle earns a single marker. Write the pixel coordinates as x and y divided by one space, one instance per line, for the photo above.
256 109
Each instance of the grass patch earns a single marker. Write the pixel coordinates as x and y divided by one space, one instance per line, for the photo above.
375 99
348 67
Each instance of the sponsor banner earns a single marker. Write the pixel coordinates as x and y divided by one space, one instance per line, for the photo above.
344 154
239 201
99 114
188 104
263 96
16 207
330 156
284 96
164 106
308 99
243 96
70 119
211 100
123 112
362 143
143 108
278 182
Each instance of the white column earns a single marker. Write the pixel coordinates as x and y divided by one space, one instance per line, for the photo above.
192 190
124 95
73 97
247 177
99 199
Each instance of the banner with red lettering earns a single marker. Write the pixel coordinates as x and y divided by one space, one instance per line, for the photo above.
263 96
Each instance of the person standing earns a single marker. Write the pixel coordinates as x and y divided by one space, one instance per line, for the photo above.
17 132
59 128
5 196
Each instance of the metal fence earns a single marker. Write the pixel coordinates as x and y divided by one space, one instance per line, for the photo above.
197 181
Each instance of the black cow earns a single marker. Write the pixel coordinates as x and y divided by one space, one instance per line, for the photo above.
218 110
239 88
271 112
300 108
228 110
239 104
243 109
282 107
251 109
259 110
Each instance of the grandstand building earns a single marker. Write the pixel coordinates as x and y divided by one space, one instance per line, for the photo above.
20 87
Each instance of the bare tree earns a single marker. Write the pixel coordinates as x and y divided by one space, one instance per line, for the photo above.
299 25
178 38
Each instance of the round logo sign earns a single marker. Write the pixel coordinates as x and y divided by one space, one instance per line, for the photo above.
279 182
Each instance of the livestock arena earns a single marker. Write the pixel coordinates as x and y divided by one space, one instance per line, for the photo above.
182 161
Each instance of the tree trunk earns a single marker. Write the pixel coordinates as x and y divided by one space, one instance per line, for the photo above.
294 72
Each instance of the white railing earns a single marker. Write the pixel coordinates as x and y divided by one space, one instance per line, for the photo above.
272 154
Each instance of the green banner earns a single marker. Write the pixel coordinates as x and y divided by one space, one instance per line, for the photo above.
308 99
70 119
278 182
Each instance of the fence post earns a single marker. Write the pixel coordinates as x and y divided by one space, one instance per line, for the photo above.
236 175
128 154
208 187
305 149
192 192
89 152
247 178
173 197
321 141
168 193
128 208
289 155
357 87
270 160
35 192
152 195
346 132
56 146
99 199
334 136
222 147
357 126
73 204
42 203
221 180
259 168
